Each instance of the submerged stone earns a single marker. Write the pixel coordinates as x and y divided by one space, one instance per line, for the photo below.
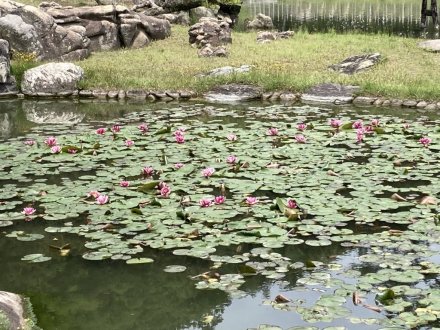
356 63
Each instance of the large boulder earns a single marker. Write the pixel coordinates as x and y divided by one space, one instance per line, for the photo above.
156 28
199 12
31 30
7 81
52 79
260 22
209 31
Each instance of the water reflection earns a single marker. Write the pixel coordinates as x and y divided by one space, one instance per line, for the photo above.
368 16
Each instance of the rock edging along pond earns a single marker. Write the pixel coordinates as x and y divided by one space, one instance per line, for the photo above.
16 312
140 95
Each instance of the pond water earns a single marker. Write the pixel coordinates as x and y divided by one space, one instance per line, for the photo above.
366 16
337 256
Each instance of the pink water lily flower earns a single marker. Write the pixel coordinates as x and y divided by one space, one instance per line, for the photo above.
179 131
116 128
250 200
375 122
405 125
301 127
358 124
29 142
300 138
272 131
368 129
28 211
207 172
179 138
359 135
425 141
50 141
178 165
219 199
129 143
93 193
165 191
55 149
291 204
231 159
102 199
124 184
148 171
72 151
100 131
232 137
335 123
143 128
205 202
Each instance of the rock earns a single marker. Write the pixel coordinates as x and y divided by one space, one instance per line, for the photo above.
431 106
108 40
226 70
140 40
209 51
136 94
409 103
76 55
396 103
148 7
52 79
267 36
354 64
330 93
234 93
197 13
181 18
8 86
287 97
156 28
176 5
422 104
11 311
364 100
229 9
209 31
430 45
260 22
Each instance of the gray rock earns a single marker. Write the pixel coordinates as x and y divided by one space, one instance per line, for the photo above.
156 28
260 22
176 5
234 93
287 97
197 13
76 55
140 40
148 7
210 51
396 103
267 36
422 104
364 100
330 93
136 94
410 103
430 45
8 86
181 18
52 79
108 40
354 64
226 70
431 106
209 31
11 310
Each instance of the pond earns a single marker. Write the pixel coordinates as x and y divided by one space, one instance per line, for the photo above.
400 17
208 216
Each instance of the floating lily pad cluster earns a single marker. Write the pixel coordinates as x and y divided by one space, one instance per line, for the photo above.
196 180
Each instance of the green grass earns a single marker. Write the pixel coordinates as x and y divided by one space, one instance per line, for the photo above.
295 64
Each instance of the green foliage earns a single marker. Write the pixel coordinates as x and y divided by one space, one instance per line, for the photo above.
22 62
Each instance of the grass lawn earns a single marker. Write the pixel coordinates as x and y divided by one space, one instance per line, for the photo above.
294 64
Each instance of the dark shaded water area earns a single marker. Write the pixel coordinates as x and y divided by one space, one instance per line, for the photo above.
69 292
342 16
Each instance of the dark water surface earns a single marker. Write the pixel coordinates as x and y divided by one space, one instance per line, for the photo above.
73 293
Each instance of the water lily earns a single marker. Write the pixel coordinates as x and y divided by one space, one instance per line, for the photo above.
143 128
102 199
28 211
231 159
375 122
93 193
300 138
129 143
29 142
178 165
291 204
50 141
116 128
205 202
179 139
219 199
359 135
335 123
148 171
55 149
250 200
425 141
124 184
358 124
272 131
232 137
72 151
405 125
301 127
207 172
179 132
101 131
165 191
